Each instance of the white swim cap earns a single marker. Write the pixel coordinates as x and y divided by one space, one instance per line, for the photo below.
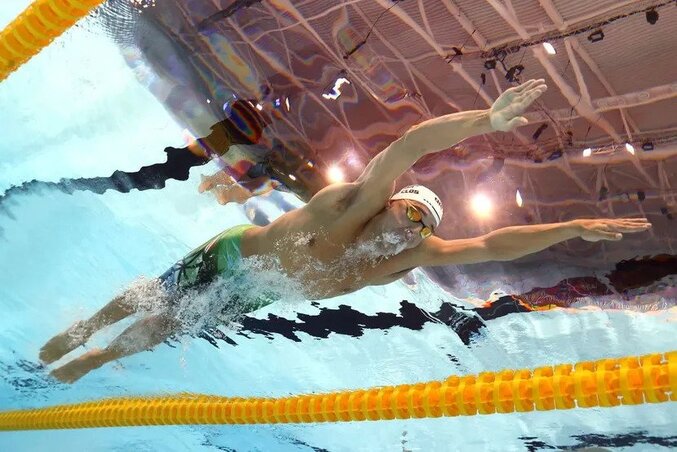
425 196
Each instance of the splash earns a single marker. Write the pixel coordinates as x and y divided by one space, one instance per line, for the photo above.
146 296
256 283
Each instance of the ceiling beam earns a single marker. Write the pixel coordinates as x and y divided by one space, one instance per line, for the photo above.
579 104
580 79
566 168
466 23
614 102
603 80
412 69
665 183
400 14
572 42
481 42
570 24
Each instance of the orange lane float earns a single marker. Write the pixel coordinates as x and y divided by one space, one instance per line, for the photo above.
36 27
604 383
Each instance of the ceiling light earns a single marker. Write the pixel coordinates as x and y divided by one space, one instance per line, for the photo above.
514 72
596 36
481 205
334 174
555 155
335 91
259 107
490 64
630 148
292 177
652 16
539 131
518 198
286 103
587 152
549 48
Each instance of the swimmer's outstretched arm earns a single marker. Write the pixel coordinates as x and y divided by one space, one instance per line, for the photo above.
375 184
513 242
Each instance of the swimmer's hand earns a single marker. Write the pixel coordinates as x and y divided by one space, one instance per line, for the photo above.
608 229
506 112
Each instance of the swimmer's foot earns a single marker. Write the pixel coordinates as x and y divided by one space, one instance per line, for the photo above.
65 342
79 367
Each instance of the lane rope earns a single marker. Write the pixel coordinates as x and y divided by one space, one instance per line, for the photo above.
36 27
604 383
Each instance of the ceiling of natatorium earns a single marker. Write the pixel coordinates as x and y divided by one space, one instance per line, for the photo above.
612 80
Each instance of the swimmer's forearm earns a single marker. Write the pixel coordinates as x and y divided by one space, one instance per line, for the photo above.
504 244
443 132
513 242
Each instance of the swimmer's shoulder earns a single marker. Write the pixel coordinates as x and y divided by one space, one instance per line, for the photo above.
335 198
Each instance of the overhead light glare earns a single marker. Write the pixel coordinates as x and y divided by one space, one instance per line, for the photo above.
587 152
335 174
481 205
518 198
259 107
549 48
630 148
292 177
335 91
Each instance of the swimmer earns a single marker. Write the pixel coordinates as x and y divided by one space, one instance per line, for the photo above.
250 165
283 168
358 234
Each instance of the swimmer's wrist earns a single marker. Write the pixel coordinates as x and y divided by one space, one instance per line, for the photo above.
485 119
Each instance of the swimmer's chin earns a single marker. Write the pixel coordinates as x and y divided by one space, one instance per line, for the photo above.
389 248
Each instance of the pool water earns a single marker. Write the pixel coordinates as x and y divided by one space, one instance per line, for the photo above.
76 110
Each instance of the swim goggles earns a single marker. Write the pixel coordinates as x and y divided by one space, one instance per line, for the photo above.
415 215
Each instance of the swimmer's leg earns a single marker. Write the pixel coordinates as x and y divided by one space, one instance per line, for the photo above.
119 308
142 335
